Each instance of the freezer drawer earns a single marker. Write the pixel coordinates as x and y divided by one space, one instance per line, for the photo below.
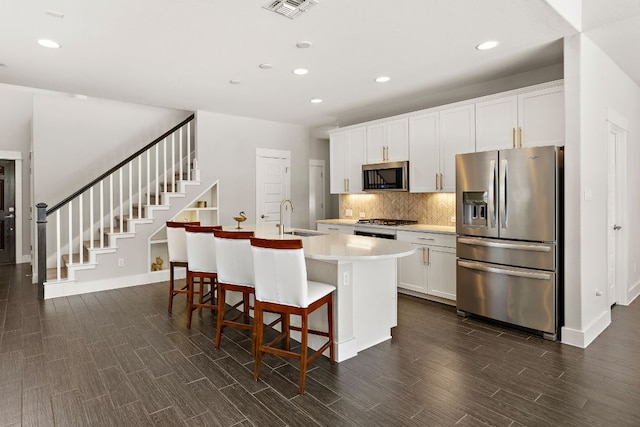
540 256
519 296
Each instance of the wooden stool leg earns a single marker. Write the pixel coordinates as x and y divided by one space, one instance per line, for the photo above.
171 287
259 333
332 356
245 307
202 284
189 298
286 323
304 333
219 326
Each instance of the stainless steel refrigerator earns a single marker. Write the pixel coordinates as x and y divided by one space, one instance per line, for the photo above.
509 236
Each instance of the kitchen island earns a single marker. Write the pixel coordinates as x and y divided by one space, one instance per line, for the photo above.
364 272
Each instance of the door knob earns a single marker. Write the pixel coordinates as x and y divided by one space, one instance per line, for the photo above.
617 227
262 216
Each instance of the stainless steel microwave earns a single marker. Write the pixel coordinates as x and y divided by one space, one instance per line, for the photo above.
391 176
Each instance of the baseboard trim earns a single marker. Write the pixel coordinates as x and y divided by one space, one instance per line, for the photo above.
582 339
633 293
64 289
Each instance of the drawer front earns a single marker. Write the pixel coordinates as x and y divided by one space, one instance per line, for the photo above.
335 228
431 239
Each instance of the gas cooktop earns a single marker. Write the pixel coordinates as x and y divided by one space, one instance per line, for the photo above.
385 221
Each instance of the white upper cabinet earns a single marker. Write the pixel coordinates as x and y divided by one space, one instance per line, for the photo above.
435 138
431 138
541 117
496 123
388 141
528 119
347 153
424 161
457 135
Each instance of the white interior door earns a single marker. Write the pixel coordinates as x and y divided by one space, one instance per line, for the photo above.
273 184
316 192
616 287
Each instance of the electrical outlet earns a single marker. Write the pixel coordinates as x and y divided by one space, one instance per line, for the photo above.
362 215
345 278
348 213
120 262
453 219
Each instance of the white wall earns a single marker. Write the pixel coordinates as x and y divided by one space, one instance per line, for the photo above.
76 140
227 152
594 85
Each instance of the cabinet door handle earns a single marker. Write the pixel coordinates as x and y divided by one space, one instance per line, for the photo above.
513 137
344 184
348 185
426 256
519 137
425 238
437 181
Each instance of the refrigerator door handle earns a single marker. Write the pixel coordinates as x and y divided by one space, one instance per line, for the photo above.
501 245
496 270
504 194
492 193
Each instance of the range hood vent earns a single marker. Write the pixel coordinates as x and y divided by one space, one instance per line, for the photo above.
290 8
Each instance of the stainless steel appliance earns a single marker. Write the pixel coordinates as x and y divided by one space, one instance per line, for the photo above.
380 227
509 236
391 176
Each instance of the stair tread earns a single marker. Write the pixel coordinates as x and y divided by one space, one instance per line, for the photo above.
96 244
52 273
75 259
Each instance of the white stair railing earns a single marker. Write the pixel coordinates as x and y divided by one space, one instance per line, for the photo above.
75 216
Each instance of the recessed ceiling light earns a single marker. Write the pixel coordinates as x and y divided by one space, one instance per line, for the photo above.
488 45
265 66
304 44
55 14
300 71
382 79
49 43
234 81
315 100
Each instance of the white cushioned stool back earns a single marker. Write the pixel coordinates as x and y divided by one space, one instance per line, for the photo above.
234 259
177 241
280 276
201 249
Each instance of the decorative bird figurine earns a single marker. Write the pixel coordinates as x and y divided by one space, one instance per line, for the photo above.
241 218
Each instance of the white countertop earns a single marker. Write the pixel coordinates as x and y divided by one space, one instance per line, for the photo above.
446 229
337 247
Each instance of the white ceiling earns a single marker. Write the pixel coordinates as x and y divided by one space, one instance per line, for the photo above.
182 53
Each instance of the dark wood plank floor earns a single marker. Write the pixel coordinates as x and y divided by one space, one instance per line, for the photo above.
116 358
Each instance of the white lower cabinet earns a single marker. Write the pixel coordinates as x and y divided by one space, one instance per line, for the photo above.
335 228
431 270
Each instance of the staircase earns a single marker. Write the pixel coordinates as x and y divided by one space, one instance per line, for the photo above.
98 238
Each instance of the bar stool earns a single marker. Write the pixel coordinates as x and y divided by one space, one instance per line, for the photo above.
281 287
177 246
235 274
201 258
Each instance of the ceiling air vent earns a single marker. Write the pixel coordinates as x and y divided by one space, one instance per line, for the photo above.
290 8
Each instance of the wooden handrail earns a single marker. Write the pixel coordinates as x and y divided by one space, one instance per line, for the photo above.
119 165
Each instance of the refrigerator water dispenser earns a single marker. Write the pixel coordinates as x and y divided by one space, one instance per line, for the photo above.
474 208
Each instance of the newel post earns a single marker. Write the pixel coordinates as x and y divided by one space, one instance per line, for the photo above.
41 220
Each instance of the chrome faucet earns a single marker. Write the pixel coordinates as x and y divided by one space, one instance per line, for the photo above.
282 208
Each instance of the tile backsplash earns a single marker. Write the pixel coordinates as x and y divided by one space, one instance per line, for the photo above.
427 208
